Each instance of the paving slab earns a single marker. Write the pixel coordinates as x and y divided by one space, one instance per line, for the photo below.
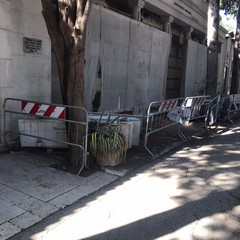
31 189
25 220
7 230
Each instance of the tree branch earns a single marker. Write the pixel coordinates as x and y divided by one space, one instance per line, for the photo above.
79 8
83 11
85 15
67 14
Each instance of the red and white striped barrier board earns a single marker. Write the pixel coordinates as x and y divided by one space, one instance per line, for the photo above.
43 110
193 102
167 105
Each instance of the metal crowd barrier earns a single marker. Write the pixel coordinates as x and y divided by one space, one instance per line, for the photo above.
193 108
161 115
178 111
231 104
44 125
227 104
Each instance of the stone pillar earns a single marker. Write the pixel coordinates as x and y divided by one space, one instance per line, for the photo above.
167 20
188 33
136 6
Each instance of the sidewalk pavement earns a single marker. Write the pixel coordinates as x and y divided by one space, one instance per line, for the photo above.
191 194
31 190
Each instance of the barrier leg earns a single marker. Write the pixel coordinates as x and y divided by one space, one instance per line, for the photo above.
180 133
228 118
80 170
145 145
84 163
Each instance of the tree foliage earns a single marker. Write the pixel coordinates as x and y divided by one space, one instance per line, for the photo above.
230 7
227 24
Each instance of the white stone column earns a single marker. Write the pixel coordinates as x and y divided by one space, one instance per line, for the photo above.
136 6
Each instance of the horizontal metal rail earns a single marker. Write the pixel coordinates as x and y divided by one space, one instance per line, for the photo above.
37 120
161 115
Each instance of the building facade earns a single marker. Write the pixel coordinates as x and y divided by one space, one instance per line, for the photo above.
137 51
147 51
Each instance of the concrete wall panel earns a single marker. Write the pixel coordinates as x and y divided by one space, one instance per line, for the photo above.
34 88
114 53
31 66
33 7
92 54
5 14
6 41
131 84
32 77
5 92
133 59
143 67
6 73
195 82
28 24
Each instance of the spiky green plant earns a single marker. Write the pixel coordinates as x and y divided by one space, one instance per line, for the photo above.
107 142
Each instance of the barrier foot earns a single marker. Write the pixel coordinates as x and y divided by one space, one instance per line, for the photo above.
181 135
206 126
149 151
230 120
80 170
84 164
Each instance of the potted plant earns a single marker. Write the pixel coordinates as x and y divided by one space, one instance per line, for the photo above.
107 144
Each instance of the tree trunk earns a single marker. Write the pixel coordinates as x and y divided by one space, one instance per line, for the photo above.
66 21
76 97
212 57
235 84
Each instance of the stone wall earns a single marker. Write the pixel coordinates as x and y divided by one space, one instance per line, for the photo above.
23 75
